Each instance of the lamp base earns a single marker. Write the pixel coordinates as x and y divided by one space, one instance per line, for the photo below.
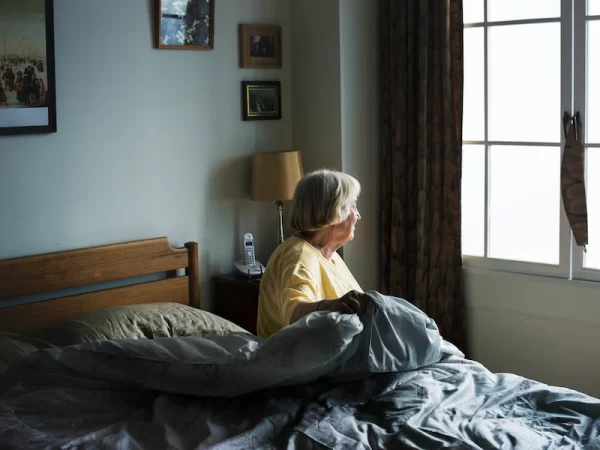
280 210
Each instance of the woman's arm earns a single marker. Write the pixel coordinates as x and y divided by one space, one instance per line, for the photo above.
303 309
353 302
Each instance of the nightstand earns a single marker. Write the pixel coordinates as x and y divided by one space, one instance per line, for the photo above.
236 299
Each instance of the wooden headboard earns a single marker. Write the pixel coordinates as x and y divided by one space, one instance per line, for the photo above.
50 272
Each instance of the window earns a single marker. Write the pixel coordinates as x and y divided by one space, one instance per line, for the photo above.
526 62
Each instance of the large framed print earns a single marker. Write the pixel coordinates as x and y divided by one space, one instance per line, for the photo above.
27 84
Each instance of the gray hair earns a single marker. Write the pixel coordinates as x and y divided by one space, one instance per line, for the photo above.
323 198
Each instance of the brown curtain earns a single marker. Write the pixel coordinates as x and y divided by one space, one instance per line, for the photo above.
422 81
572 179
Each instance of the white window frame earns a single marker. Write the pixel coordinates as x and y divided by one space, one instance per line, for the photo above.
580 52
564 267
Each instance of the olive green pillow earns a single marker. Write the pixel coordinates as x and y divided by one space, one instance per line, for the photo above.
138 322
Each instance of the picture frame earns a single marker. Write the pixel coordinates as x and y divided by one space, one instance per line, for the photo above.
261 100
27 77
192 28
260 46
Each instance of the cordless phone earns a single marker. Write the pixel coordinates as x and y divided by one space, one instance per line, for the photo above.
249 249
249 266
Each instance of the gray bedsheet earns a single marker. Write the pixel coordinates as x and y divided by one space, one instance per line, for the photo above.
386 379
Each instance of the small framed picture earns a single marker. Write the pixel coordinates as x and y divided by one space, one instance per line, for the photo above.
186 25
260 46
261 100
27 83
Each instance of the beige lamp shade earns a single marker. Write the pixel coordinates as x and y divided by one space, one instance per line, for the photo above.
275 175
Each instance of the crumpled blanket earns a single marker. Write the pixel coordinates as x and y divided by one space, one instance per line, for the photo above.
384 379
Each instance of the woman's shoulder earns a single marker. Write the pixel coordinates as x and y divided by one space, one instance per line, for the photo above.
295 252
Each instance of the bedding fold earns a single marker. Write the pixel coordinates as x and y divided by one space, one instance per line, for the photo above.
391 336
385 379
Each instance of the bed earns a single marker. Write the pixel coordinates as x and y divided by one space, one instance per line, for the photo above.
142 366
93 266
137 289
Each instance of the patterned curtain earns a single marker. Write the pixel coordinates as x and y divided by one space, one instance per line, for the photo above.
422 81
572 179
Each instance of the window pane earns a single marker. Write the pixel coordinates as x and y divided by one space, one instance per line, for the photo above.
591 259
525 203
472 11
524 83
593 8
593 83
473 114
522 9
473 200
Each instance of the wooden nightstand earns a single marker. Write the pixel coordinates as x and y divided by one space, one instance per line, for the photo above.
236 299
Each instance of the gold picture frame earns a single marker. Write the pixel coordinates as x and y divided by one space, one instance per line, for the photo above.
261 100
260 46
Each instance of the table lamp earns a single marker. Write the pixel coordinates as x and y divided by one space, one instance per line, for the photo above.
274 178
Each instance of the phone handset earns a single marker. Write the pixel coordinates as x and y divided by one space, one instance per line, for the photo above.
249 266
249 249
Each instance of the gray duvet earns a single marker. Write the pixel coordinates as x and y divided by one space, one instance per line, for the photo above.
384 380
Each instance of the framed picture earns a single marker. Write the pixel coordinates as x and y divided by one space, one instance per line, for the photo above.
27 85
260 46
261 100
186 24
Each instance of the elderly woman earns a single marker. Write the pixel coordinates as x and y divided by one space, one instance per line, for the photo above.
305 273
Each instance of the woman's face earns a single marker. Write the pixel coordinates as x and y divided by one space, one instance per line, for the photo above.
346 228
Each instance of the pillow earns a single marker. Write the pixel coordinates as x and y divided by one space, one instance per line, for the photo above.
14 345
138 322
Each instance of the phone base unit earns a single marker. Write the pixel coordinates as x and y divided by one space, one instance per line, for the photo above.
252 271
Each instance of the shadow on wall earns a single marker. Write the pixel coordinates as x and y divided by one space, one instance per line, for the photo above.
229 186
153 20
227 192
232 213
231 180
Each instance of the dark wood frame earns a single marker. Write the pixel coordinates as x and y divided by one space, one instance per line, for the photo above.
249 62
246 113
211 25
49 272
51 93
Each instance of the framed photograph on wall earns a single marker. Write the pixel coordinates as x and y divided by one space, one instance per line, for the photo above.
260 46
186 24
261 100
27 84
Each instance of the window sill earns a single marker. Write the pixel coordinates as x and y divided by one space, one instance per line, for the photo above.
563 281
545 298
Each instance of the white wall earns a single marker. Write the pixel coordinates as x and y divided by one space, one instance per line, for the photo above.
361 142
316 83
150 142
336 105
541 328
